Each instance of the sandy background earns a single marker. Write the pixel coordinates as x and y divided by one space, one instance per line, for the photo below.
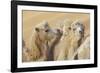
32 18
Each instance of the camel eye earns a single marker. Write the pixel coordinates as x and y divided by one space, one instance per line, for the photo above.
74 29
37 29
69 28
30 55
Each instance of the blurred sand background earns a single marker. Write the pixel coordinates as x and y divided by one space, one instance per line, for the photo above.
32 18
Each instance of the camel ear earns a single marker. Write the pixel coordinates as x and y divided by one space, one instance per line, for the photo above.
37 29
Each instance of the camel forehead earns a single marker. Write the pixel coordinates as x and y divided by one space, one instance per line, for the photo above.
67 23
77 23
42 25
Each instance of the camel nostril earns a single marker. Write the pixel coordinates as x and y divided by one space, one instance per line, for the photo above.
46 30
58 30
80 32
